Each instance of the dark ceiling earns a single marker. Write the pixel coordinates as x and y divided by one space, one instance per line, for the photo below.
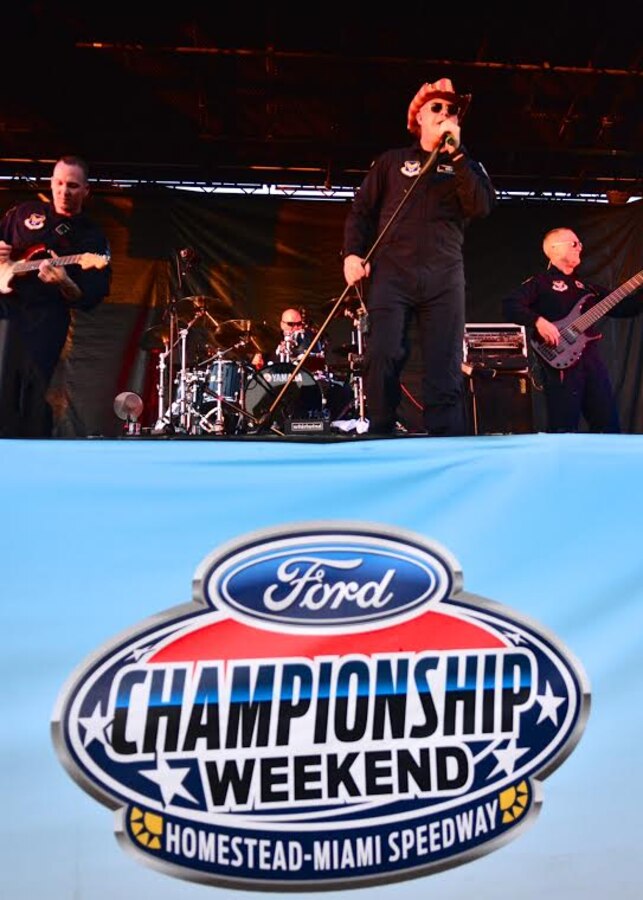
304 94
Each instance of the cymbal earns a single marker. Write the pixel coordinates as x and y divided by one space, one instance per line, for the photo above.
157 337
252 337
189 307
200 338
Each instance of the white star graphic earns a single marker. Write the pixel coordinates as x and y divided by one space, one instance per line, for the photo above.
514 637
95 727
508 758
137 653
169 780
549 703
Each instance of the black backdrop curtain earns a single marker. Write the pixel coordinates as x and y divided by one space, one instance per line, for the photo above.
258 255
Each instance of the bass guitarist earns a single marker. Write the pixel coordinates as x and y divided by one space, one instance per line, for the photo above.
37 304
576 383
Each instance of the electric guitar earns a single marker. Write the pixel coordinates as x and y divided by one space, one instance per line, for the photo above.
572 328
29 264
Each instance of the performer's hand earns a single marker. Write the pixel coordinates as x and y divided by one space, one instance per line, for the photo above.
5 252
355 269
57 275
52 274
451 127
547 331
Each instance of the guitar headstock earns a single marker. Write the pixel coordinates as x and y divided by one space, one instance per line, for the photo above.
94 260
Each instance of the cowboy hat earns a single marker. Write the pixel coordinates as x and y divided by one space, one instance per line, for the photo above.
441 90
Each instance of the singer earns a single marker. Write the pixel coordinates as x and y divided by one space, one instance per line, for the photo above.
417 268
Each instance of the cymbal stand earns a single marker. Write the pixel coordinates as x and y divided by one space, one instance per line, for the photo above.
160 387
178 414
167 412
356 361
184 423
188 412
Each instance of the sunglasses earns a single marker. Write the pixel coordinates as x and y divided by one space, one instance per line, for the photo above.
292 324
575 244
451 109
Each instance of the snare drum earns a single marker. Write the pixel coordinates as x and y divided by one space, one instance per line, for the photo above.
302 400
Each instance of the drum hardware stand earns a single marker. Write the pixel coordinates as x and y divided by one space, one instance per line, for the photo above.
182 268
160 388
356 360
430 162
218 427
178 415
183 407
185 260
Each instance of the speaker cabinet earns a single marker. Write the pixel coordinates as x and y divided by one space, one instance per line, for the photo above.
499 402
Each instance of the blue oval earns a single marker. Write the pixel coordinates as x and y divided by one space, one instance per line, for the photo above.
328 582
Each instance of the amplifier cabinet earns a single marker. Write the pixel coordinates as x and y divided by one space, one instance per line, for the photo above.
499 402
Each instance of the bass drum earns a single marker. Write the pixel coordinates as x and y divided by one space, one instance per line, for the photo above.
302 400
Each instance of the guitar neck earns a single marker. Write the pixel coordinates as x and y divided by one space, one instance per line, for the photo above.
30 264
592 315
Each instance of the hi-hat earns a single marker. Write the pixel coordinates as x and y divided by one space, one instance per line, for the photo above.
199 305
248 336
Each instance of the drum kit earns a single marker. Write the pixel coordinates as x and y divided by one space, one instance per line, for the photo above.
209 381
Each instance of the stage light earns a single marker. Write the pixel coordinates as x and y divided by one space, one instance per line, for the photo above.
128 406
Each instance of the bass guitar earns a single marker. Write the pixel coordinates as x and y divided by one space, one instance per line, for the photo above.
29 264
572 328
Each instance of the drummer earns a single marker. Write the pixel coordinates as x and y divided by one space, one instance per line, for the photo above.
297 337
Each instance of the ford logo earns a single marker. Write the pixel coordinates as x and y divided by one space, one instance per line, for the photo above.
324 579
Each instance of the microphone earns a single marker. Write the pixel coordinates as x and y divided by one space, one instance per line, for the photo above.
448 140
189 255
187 259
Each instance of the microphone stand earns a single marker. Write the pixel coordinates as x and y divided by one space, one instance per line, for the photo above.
174 334
428 165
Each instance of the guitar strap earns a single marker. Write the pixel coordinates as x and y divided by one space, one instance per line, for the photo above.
64 231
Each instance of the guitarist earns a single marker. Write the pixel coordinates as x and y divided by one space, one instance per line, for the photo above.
584 389
38 303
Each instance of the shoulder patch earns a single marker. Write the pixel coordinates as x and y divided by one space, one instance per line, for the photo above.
411 168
